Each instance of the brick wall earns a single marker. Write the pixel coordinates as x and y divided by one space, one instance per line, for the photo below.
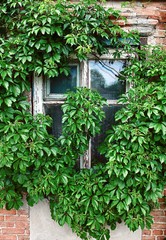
149 18
15 224
158 229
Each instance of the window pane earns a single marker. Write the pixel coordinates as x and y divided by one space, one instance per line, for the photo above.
55 112
62 83
104 78
106 125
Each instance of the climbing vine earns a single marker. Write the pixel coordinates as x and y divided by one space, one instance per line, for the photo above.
42 37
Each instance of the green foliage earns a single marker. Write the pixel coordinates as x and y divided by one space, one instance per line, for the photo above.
85 202
135 148
34 161
81 119
42 37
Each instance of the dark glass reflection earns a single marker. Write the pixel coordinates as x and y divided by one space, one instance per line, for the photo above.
106 125
55 112
104 78
62 83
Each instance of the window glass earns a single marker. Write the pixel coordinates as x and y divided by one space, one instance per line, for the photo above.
55 112
106 125
57 86
104 78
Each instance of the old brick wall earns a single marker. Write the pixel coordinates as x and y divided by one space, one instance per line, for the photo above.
149 18
158 229
15 224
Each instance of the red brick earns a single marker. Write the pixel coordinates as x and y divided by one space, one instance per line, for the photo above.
7 212
163 205
162 16
157 212
23 237
120 22
13 231
159 226
22 224
111 17
160 33
161 41
7 224
16 218
148 238
160 238
1 218
27 231
22 212
161 26
158 232
161 219
163 7
146 232
148 12
156 4
8 238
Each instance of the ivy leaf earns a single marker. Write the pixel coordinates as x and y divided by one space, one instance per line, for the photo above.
6 84
54 151
64 179
16 90
8 102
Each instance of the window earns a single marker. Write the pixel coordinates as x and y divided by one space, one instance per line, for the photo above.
104 79
101 75
57 86
54 89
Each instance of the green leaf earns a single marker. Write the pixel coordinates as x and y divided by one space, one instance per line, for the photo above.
59 31
8 102
6 84
24 137
100 219
16 91
54 151
64 179
3 74
49 48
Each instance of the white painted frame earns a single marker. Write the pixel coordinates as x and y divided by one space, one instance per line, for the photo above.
37 95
